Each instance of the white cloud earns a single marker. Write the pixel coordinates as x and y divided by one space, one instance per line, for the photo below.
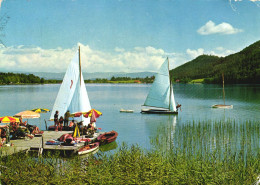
138 59
218 51
195 53
36 59
211 28
119 49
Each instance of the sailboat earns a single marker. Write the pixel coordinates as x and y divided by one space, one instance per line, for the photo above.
73 95
223 106
160 96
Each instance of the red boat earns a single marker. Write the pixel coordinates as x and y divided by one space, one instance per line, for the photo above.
107 137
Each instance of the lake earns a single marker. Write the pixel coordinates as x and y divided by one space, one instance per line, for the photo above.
137 128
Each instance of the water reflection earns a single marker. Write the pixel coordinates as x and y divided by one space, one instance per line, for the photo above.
136 128
164 132
108 147
208 138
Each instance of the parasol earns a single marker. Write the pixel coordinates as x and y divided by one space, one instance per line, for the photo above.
8 119
28 114
93 111
40 110
77 114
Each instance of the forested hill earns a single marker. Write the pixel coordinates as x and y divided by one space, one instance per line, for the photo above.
12 78
241 67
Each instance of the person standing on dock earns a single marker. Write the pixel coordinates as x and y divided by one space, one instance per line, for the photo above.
7 134
66 118
61 120
56 121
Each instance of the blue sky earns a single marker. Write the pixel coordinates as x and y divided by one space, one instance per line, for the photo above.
122 35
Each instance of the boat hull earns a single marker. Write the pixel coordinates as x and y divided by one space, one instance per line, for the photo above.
127 111
90 148
222 106
157 111
107 137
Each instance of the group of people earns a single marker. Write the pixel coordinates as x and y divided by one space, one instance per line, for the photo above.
59 121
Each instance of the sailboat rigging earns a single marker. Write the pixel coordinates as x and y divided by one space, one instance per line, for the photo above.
224 106
161 95
72 94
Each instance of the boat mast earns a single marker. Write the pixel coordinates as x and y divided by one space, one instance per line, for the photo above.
170 85
223 88
79 67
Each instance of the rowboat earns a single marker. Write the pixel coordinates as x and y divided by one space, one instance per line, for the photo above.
222 106
127 111
107 137
90 148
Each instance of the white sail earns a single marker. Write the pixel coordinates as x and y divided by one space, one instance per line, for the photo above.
72 95
172 101
161 93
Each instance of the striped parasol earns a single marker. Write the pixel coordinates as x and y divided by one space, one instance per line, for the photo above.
93 111
8 119
40 110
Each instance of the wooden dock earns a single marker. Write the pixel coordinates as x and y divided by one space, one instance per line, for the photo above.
39 143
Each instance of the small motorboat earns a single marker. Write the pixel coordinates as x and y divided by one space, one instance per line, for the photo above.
107 137
127 111
90 148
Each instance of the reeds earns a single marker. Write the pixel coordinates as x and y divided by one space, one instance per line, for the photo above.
192 153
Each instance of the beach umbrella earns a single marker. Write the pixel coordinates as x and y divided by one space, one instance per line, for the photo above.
28 114
77 114
93 111
40 110
8 119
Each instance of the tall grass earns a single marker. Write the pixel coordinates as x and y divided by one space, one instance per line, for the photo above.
193 153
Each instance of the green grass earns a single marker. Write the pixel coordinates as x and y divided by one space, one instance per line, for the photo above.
126 81
197 81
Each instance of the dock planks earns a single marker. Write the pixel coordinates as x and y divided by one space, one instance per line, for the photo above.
21 145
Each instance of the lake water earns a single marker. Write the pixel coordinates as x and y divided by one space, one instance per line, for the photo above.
137 128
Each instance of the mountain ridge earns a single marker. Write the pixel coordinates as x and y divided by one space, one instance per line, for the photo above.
92 76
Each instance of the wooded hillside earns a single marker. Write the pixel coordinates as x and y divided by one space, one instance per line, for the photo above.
241 67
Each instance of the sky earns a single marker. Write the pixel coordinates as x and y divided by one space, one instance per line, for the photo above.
121 35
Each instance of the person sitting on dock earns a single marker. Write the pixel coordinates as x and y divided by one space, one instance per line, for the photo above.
22 123
91 128
36 130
